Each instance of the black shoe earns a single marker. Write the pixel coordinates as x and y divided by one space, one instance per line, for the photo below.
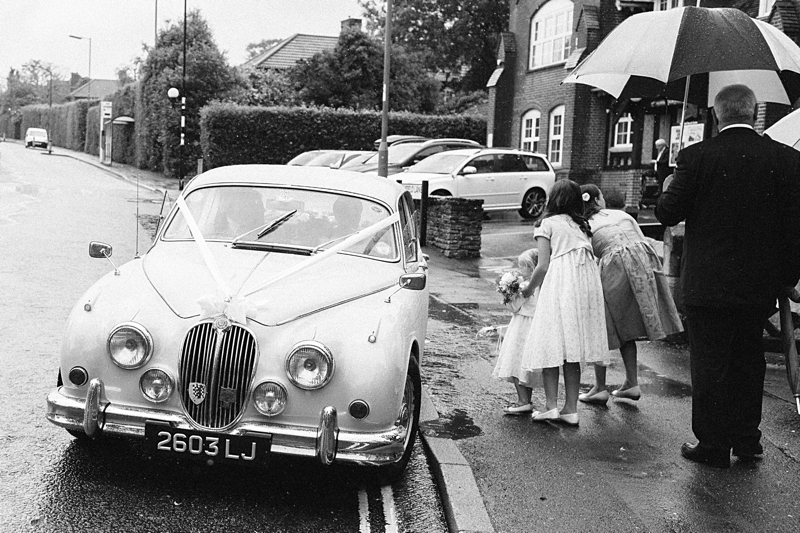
715 458
748 453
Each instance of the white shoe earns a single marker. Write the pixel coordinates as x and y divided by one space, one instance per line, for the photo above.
538 416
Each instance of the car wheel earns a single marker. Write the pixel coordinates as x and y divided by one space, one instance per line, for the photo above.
408 418
533 203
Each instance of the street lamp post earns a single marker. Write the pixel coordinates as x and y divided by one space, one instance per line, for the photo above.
383 149
173 95
89 97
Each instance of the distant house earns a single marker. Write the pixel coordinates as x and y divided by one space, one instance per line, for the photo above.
94 89
290 51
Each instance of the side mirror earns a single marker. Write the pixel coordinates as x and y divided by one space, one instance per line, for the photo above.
99 250
469 169
414 282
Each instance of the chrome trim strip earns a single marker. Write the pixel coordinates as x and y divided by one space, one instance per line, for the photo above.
379 448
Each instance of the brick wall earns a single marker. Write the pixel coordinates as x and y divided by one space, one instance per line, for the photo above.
627 181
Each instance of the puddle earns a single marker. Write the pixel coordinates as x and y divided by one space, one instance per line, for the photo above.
455 425
654 384
459 313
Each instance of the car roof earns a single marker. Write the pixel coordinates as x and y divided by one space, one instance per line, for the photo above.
491 151
382 189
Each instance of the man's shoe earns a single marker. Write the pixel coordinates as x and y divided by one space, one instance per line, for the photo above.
748 453
715 458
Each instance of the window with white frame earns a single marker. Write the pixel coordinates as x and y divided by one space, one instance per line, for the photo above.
765 7
622 133
556 137
663 5
551 29
529 138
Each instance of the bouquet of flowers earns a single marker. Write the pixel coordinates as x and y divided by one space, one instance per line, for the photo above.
509 285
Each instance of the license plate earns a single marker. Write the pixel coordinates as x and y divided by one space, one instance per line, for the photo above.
189 443
415 190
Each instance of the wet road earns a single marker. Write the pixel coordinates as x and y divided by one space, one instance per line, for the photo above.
50 208
621 469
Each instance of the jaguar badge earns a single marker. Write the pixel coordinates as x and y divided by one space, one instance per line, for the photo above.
197 392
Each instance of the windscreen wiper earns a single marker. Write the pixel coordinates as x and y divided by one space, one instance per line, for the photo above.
275 223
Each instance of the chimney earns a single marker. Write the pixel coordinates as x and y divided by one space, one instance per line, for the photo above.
348 24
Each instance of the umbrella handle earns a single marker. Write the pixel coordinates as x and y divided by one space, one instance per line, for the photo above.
790 348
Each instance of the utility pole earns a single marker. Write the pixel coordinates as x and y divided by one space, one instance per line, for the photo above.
383 150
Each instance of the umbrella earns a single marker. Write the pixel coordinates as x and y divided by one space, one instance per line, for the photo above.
786 130
658 54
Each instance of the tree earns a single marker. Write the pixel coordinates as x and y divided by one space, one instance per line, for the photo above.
208 76
254 49
265 87
448 34
352 76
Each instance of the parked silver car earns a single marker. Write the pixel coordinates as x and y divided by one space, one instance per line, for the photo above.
503 178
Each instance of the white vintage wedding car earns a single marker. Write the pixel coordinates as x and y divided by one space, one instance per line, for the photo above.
280 310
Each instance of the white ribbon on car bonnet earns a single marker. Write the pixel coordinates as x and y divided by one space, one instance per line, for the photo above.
240 308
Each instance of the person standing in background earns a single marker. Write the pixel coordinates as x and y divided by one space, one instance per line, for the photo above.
662 167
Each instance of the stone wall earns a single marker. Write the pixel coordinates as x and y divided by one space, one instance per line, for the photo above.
454 226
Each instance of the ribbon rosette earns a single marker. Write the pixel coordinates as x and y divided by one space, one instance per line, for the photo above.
236 308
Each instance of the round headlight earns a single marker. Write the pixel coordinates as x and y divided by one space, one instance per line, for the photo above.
309 365
156 385
270 398
130 345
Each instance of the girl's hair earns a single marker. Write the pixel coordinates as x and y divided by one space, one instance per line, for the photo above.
565 199
528 259
590 207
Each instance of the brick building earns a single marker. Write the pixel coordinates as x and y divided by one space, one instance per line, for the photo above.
587 134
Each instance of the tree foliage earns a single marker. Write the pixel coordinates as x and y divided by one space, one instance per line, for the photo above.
254 49
208 76
351 76
449 34
264 87
37 82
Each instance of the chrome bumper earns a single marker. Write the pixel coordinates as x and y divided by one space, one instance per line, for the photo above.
95 416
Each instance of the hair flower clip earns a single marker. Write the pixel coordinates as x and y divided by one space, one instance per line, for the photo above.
586 197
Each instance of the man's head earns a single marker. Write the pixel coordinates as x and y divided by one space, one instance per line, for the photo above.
661 144
735 104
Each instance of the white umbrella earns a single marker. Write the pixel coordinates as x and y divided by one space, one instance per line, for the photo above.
786 130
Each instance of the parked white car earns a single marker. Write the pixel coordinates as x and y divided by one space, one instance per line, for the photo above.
281 310
505 179
36 137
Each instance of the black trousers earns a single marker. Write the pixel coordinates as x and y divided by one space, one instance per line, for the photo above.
727 362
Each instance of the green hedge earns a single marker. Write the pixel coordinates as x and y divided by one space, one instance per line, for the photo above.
232 134
65 123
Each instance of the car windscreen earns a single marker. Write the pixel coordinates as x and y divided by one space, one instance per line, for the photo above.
359 160
37 132
292 218
442 163
398 153
304 158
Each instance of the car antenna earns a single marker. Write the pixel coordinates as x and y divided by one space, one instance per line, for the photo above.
161 213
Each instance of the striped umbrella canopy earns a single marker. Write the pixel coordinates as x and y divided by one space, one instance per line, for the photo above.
654 54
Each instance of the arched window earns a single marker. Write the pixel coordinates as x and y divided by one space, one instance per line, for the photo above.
551 29
556 137
529 136
623 133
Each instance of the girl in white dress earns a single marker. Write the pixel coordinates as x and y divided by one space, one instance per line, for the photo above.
569 327
508 366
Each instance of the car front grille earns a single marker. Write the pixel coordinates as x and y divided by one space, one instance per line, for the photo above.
216 370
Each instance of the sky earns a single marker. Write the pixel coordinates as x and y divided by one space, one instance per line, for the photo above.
40 29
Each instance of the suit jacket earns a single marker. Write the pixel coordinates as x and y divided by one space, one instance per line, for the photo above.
662 165
739 193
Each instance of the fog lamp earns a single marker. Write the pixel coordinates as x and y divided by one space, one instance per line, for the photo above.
78 376
359 409
270 398
156 385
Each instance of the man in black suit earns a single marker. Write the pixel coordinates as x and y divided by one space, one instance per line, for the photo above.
739 193
662 167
